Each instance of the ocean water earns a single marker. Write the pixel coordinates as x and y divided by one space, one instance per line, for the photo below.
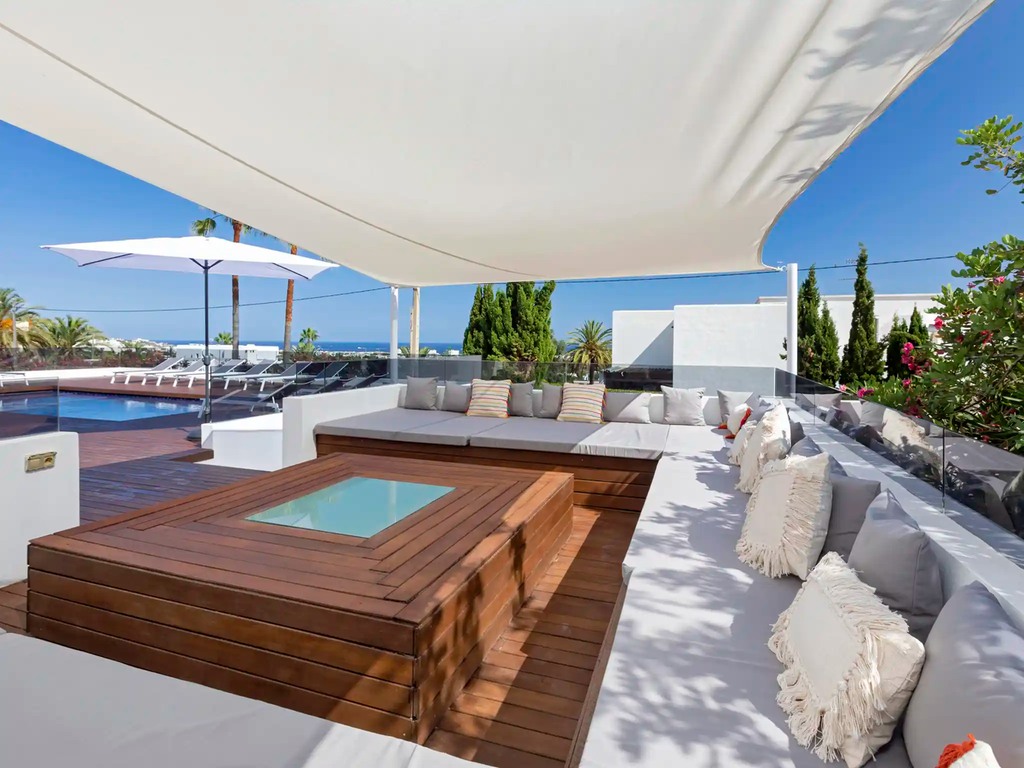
337 346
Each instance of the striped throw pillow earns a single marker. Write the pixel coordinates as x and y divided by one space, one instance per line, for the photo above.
489 398
582 402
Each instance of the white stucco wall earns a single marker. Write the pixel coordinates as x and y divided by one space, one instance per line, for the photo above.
887 305
35 504
253 443
642 337
729 334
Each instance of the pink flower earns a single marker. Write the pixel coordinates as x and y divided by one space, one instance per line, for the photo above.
999 280
970 285
861 392
908 347
986 337
906 383
939 322
842 387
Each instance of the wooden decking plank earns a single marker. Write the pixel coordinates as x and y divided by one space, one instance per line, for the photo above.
505 735
523 697
521 717
478 751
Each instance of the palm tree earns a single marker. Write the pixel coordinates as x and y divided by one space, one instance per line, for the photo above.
222 338
19 323
289 303
591 345
406 351
69 333
204 227
307 341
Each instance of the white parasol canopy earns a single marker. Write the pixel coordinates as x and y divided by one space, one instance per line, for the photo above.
193 254
463 141
201 255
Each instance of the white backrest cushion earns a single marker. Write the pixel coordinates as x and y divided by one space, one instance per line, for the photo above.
657 408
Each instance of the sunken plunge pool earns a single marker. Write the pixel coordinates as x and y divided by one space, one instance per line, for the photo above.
355 588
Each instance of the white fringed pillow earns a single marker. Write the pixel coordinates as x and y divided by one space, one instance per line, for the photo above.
851 665
739 445
787 516
770 440
737 419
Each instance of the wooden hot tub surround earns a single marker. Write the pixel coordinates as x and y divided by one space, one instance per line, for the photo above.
380 633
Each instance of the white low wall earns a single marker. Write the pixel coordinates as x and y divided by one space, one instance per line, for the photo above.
34 504
642 337
253 443
73 373
301 414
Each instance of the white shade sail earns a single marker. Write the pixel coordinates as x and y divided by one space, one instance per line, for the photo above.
192 254
464 141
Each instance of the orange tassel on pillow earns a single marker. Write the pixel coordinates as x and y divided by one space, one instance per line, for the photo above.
954 752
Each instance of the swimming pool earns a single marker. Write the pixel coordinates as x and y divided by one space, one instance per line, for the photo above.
74 405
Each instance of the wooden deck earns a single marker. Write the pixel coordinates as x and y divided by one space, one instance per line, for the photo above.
402 618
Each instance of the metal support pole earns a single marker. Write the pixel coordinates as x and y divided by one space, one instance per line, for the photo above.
393 349
207 403
414 336
792 337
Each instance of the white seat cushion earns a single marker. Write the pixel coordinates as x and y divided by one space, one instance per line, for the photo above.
382 425
636 441
64 707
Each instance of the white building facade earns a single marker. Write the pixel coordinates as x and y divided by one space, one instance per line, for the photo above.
736 334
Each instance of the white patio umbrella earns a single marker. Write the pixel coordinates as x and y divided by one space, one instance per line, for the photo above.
204 255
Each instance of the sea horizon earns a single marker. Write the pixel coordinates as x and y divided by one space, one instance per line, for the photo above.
333 346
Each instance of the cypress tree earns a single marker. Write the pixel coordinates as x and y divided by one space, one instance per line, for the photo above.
894 341
808 328
918 330
513 324
828 351
473 338
862 356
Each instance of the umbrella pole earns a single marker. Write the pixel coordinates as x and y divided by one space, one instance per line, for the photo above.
207 405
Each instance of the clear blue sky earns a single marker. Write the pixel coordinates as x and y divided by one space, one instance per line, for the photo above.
899 188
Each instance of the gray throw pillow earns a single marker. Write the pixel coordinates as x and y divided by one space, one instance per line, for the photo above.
893 555
421 394
972 681
520 401
684 406
851 497
759 411
550 401
807 448
456 397
727 401
628 407
796 431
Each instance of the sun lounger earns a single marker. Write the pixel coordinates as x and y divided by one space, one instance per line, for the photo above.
167 365
13 377
226 367
161 375
260 369
289 375
332 377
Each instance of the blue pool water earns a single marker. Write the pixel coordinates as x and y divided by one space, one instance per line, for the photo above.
359 506
97 407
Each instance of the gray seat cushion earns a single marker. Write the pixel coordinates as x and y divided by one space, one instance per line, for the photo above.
457 431
382 425
690 679
972 681
638 441
893 555
60 707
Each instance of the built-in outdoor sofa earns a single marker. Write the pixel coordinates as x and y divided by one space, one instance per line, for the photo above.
687 679
690 679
